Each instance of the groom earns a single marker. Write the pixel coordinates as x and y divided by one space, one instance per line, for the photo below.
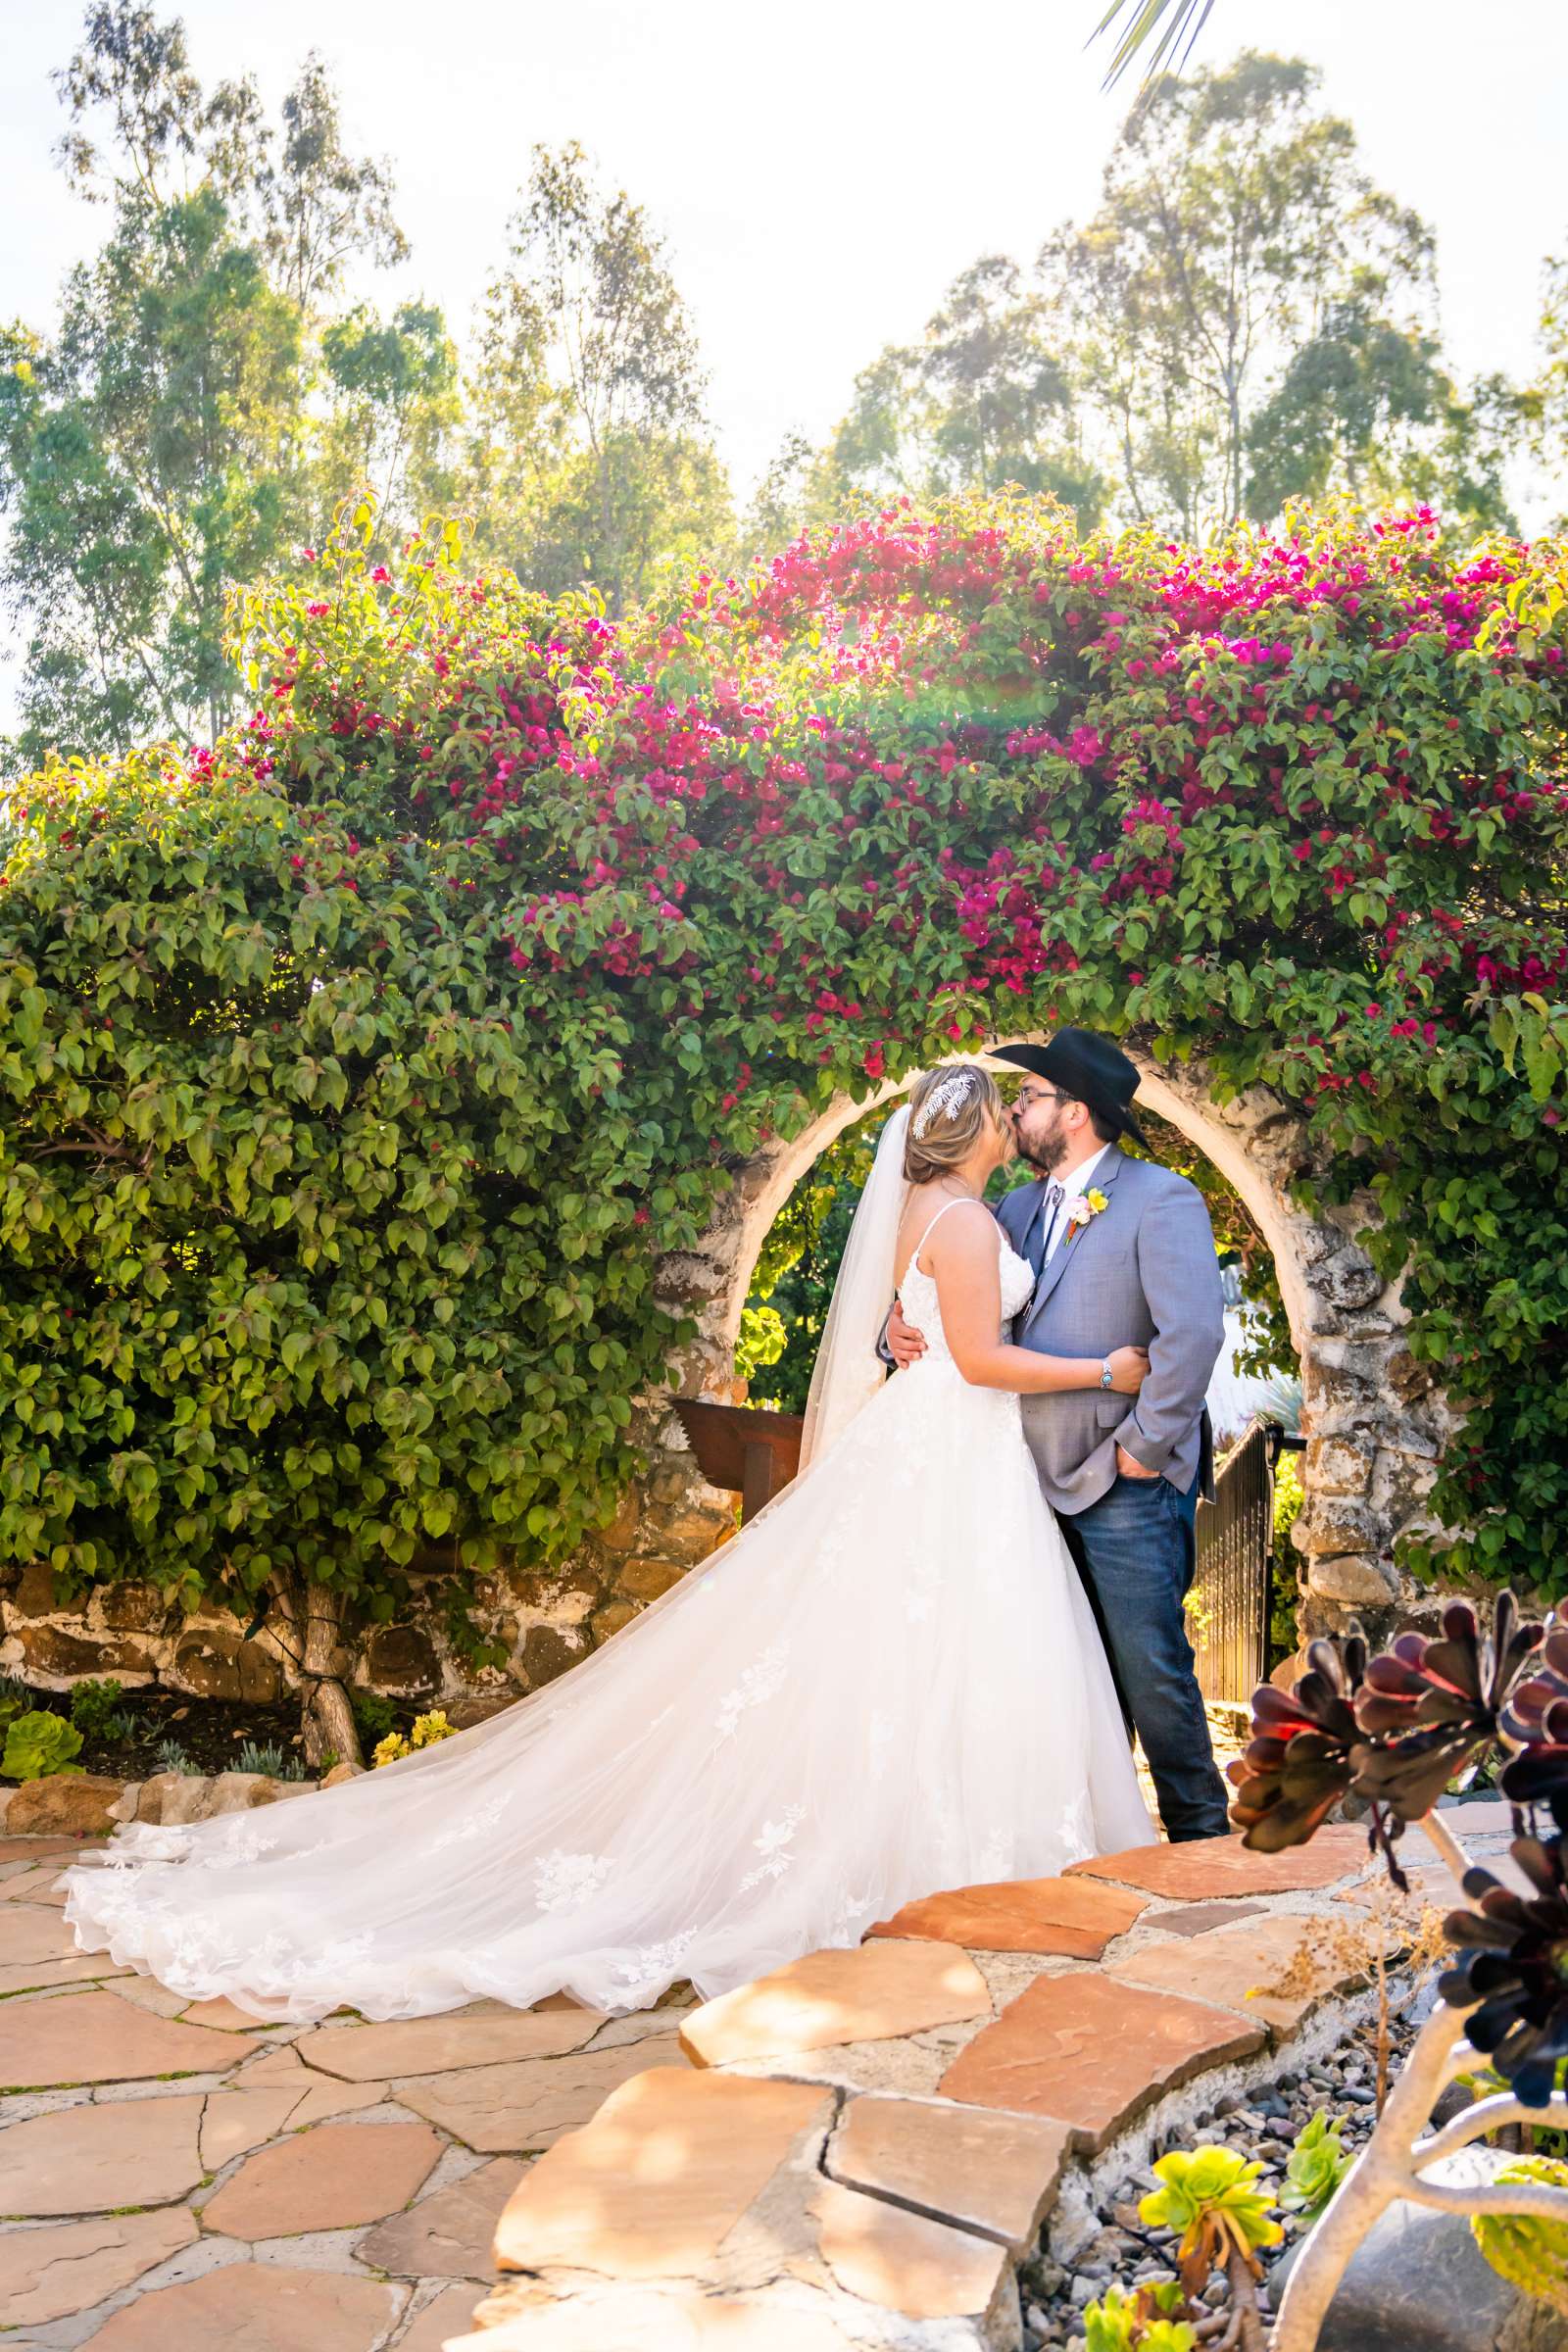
1123 1255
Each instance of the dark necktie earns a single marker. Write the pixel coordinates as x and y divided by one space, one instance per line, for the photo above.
1055 1194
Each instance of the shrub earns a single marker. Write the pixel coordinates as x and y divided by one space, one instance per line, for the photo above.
95 1709
359 1069
372 1715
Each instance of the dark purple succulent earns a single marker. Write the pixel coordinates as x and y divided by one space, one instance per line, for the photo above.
1427 1706
1513 1962
1298 1764
1535 1723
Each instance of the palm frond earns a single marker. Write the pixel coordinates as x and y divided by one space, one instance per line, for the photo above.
1171 24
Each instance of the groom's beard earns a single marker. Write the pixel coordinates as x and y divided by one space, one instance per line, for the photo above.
1047 1154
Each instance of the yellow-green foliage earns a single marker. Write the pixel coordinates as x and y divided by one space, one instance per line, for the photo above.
1532 2254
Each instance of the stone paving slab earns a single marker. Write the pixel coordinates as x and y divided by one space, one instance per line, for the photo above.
1196 1919
95 2159
430 2045
448 2235
993 2174
330 2179
1074 1919
882 1991
451 2314
906 2262
1219 1866
512 2109
61 2266
672 2317
1093 2052
1235 1968
252 2307
37 1885
95 2037
653 2186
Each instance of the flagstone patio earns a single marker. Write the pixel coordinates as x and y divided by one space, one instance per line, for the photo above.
852 2152
175 2177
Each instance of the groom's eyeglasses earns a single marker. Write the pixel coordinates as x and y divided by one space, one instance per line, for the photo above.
1030 1095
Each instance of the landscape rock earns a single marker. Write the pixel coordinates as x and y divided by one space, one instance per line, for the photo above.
67 1804
1418 2282
212 1662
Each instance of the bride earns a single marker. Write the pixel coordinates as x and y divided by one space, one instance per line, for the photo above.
889 1683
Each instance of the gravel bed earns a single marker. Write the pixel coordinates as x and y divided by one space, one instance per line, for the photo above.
1261 2124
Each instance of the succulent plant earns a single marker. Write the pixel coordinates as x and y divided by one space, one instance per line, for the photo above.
1145 2320
1427 1706
1531 2254
1318 2163
274 1761
1299 1763
1209 2197
39 1744
1510 1953
170 1756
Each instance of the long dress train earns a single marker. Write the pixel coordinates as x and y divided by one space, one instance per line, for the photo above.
888 1683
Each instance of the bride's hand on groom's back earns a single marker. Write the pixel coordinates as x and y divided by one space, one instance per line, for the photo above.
905 1344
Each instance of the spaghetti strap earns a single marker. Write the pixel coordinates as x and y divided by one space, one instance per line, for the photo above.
958 1201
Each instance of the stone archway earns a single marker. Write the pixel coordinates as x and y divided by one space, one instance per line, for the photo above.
1374 1420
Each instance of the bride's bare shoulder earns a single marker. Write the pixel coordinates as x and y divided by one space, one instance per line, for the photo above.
929 1235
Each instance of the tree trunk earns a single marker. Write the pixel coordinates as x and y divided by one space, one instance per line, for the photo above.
321 1656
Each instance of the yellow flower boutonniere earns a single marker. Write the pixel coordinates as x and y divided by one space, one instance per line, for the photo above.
1081 1208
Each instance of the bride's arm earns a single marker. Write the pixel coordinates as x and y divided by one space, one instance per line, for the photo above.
966 1263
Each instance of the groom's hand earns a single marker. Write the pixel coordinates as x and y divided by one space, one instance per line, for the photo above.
1130 1466
906 1346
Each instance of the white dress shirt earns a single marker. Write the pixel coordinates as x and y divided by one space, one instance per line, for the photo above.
1073 1186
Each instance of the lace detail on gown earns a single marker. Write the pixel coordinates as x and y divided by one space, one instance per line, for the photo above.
890 1682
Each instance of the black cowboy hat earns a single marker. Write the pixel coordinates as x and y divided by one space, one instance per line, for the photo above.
1089 1068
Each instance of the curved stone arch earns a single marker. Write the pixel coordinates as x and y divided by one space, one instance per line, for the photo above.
1373 1419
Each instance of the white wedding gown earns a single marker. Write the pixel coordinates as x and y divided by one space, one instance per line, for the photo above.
890 1682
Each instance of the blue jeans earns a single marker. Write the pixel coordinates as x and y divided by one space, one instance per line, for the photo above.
1135 1551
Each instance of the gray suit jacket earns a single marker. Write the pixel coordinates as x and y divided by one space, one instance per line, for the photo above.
1143 1273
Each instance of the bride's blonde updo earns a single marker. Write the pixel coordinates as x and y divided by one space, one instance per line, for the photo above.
948 1113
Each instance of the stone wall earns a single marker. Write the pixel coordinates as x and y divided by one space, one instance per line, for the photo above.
548 1619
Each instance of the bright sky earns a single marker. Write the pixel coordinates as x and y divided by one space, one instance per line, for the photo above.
823 169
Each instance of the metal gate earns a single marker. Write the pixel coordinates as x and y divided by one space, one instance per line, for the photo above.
1228 1607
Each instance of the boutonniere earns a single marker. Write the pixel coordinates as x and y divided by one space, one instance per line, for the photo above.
1081 1208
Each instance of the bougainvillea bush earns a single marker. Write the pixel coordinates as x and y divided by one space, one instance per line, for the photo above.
359 1069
